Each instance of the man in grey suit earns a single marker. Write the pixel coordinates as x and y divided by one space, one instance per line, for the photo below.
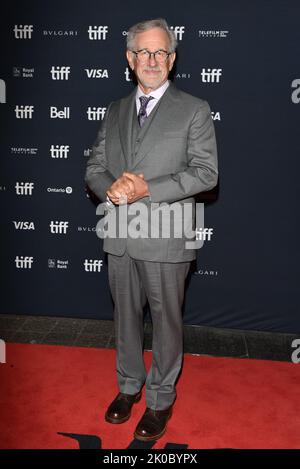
155 150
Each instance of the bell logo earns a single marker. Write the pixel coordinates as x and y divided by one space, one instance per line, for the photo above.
55 114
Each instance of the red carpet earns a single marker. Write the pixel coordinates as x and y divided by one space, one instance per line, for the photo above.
221 403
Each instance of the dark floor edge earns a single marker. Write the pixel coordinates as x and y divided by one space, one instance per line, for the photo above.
198 340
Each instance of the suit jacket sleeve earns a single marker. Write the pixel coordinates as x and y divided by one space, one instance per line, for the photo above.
201 173
97 176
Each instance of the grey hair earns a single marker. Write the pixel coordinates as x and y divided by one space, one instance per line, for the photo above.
150 24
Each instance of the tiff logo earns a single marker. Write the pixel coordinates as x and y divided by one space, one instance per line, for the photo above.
24 262
127 74
59 151
211 75
63 114
59 227
95 113
60 73
178 31
2 91
23 31
97 32
24 112
2 351
92 265
24 188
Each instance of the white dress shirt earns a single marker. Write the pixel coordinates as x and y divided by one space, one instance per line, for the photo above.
156 94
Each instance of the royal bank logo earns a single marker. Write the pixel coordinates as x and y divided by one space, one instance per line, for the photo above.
96 113
59 33
20 151
92 265
178 31
213 34
58 227
2 91
59 151
23 262
24 225
24 188
295 97
55 113
58 264
97 33
23 31
60 190
96 73
23 72
60 73
24 111
211 75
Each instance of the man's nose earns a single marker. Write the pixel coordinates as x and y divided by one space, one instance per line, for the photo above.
152 59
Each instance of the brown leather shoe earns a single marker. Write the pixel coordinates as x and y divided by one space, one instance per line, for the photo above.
153 424
119 410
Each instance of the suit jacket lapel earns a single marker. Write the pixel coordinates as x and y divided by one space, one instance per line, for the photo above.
127 108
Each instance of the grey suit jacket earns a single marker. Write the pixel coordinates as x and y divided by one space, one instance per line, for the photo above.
178 157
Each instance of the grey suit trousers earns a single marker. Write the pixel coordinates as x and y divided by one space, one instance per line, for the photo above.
132 283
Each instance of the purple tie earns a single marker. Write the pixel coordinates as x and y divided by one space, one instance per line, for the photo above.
142 115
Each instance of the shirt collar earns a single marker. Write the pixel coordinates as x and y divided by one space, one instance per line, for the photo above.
157 94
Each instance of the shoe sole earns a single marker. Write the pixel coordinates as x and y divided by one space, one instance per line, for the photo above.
137 436
124 419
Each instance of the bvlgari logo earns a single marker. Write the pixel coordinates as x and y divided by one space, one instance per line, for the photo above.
60 33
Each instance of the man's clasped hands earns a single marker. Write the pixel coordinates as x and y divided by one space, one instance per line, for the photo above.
128 188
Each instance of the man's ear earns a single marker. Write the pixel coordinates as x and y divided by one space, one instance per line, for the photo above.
130 59
172 60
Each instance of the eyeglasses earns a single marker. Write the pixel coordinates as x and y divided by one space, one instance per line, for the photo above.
144 55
